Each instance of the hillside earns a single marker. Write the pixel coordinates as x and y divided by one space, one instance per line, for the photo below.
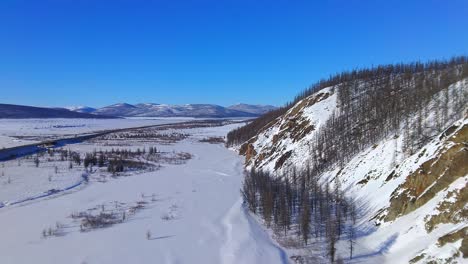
253 109
81 109
122 109
21 111
393 140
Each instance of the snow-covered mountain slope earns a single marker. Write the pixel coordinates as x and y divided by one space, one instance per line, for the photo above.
414 206
253 109
418 200
81 109
165 110
286 140
121 109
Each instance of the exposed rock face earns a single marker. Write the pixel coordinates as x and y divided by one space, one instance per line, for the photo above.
433 176
461 234
250 151
283 141
452 210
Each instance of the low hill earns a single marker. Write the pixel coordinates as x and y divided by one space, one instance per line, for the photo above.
22 111
81 109
253 109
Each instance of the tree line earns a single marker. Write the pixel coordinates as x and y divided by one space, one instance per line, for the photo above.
391 101
296 204
383 95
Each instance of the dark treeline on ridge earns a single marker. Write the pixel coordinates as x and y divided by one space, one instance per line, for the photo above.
380 96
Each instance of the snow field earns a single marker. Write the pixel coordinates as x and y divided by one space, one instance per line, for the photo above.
206 223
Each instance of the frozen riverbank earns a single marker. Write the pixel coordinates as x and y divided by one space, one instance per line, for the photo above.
197 217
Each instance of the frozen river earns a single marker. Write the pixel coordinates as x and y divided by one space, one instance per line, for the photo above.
196 216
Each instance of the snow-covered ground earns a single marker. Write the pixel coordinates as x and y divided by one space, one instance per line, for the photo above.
195 214
17 132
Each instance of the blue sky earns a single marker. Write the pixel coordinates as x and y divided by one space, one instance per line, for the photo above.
90 52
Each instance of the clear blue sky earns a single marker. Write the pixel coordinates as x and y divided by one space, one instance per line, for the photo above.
96 52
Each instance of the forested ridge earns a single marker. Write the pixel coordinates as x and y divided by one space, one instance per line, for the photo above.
376 95
409 100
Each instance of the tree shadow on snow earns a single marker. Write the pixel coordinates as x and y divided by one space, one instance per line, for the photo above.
161 237
364 228
383 248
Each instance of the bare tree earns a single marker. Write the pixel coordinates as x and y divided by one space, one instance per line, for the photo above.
305 219
36 161
332 238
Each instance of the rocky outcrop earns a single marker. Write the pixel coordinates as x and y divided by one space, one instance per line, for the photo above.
452 210
433 175
455 236
296 126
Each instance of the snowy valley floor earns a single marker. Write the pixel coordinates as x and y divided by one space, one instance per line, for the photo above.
193 214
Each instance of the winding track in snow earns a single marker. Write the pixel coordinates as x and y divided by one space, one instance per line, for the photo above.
45 194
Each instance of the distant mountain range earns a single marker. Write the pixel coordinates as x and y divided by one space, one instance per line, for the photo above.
21 111
138 110
187 110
